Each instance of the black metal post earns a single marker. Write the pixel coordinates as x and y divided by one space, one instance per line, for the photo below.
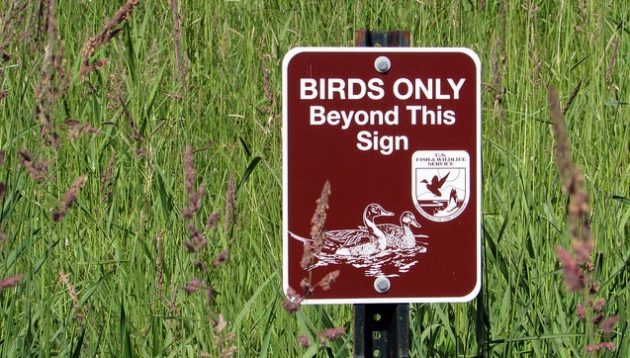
381 330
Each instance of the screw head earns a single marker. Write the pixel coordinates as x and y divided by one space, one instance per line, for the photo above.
382 284
382 64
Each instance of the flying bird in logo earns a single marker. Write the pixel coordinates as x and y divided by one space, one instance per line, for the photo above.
436 184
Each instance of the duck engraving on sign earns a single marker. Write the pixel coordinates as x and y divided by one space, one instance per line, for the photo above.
384 249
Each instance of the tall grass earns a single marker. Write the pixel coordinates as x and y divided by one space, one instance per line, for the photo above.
120 246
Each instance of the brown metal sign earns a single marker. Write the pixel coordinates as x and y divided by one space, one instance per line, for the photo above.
396 133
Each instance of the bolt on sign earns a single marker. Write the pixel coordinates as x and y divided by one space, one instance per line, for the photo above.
396 134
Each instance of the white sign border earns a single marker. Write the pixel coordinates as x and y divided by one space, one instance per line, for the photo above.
285 229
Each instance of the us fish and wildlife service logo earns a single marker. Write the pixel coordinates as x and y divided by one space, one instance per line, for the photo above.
440 183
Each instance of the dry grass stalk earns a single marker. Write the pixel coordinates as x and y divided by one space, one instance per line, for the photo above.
230 204
3 186
117 90
159 267
311 249
72 292
498 63
107 184
579 26
190 173
177 34
317 223
577 266
223 340
69 198
53 80
76 129
37 171
9 23
267 86
195 196
109 30
3 189
612 59
574 93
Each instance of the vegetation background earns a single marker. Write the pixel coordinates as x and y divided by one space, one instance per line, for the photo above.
112 274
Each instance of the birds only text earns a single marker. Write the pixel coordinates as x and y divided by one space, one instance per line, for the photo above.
403 89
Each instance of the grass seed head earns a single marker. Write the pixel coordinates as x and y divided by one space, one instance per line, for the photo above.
319 217
190 174
612 59
76 129
328 280
591 348
177 34
304 341
197 242
72 292
292 301
109 30
194 285
107 184
599 304
267 85
331 334
37 171
230 204
562 143
195 196
221 258
573 277
53 81
306 286
609 324
580 311
69 198
10 281
213 220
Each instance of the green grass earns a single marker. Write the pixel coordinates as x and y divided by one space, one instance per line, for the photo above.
109 248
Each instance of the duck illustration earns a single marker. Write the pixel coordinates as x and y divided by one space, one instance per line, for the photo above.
402 236
436 184
338 241
345 238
